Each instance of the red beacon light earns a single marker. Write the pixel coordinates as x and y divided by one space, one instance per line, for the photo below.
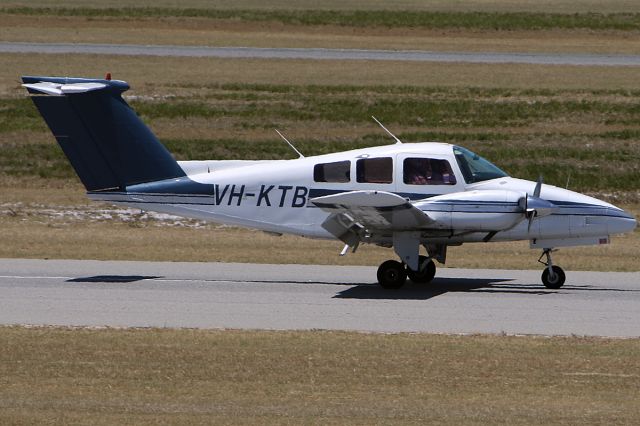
108 76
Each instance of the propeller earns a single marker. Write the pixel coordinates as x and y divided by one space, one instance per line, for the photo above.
533 206
538 188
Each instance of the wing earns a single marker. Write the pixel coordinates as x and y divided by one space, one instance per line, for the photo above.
358 213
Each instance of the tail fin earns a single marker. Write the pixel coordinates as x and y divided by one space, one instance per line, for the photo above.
107 144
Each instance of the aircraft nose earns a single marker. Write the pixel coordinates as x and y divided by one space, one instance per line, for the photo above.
621 221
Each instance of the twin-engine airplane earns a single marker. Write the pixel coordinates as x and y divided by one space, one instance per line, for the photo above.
404 195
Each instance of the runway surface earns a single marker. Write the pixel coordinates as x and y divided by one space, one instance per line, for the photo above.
252 296
323 54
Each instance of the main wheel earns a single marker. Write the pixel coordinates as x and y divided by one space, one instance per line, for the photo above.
426 273
558 277
391 274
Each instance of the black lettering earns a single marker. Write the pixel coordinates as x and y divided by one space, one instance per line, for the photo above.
300 197
236 194
218 196
264 195
284 190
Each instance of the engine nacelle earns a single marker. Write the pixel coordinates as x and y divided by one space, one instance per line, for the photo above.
487 210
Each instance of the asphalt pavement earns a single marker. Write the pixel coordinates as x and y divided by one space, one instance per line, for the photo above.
324 54
304 297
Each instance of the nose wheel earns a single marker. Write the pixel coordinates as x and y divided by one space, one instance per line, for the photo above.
553 276
393 274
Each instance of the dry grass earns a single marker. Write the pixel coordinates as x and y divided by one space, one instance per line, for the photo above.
153 75
33 238
546 6
204 32
244 377
29 231
40 237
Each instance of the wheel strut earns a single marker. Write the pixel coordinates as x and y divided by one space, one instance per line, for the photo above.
549 263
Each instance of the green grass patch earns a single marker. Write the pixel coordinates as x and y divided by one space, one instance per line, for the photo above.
610 168
268 149
457 108
582 168
240 377
44 160
19 114
587 170
626 134
581 136
508 21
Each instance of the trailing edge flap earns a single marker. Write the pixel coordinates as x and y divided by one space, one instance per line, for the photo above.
358 211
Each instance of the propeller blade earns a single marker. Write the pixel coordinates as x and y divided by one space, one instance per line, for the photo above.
533 206
530 215
536 191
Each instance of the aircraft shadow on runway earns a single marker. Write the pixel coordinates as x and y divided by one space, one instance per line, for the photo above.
410 291
124 279
113 279
439 286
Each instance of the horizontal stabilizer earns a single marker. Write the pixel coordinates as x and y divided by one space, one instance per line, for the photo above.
50 88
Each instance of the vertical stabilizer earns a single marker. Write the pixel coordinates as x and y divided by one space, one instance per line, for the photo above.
106 142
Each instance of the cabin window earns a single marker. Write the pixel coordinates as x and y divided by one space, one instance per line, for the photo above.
375 170
332 172
427 171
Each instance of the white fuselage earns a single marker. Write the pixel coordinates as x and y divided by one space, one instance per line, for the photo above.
275 196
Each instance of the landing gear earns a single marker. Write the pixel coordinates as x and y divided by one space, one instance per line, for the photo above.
553 276
393 274
426 271
554 279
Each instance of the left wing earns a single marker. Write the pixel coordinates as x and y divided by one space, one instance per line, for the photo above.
355 214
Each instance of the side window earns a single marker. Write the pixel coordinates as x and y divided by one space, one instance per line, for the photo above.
332 172
427 171
375 170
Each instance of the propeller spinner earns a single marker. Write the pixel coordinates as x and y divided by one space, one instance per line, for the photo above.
533 206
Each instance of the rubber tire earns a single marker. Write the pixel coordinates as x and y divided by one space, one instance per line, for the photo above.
392 274
426 276
558 275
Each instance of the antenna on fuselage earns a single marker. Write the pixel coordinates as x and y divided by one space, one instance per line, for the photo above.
289 143
387 130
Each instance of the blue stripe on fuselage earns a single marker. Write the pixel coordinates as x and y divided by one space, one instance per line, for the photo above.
184 187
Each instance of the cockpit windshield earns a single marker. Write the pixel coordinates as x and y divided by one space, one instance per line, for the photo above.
475 168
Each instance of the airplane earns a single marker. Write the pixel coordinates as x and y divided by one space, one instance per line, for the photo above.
404 196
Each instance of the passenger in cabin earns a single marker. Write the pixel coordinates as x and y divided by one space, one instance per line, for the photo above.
427 171
417 171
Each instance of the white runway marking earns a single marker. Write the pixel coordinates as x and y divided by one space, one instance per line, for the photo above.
29 277
252 296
